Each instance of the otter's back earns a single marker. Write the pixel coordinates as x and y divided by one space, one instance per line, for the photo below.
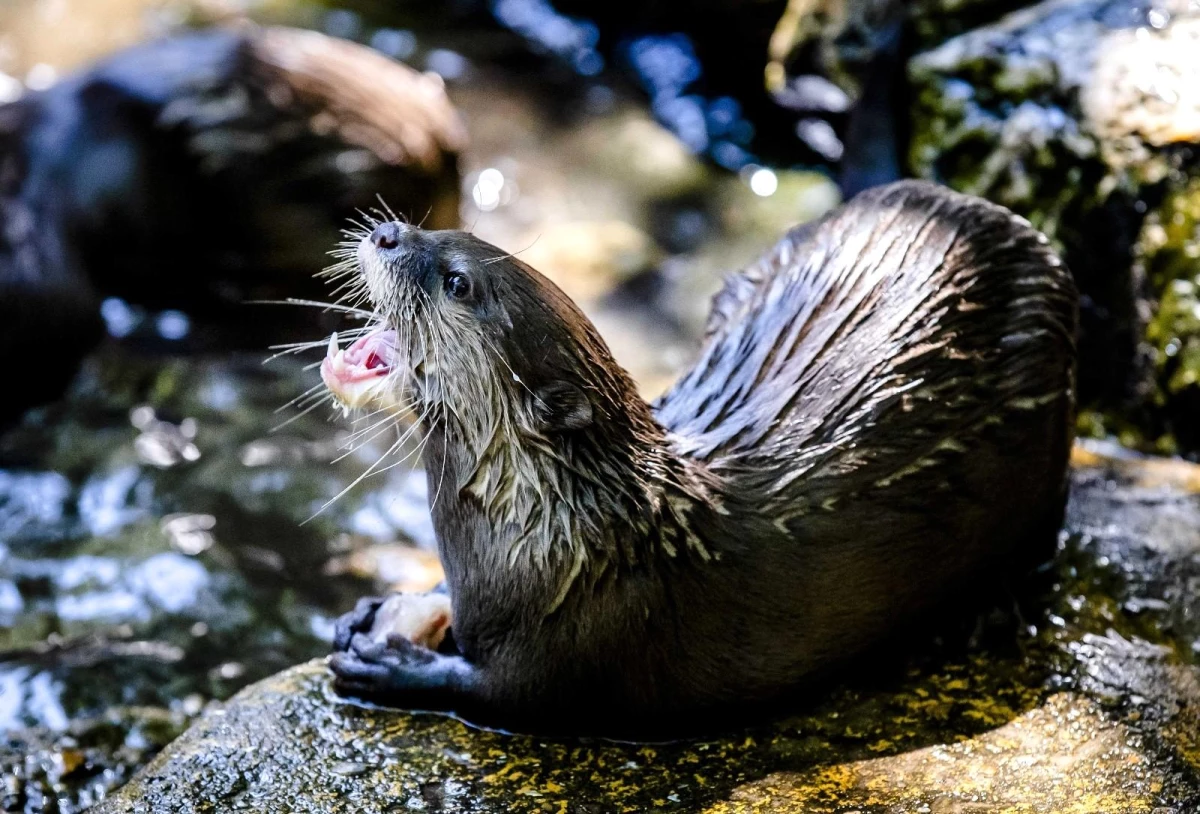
896 336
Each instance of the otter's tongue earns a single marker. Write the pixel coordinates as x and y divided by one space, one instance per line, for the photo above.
357 375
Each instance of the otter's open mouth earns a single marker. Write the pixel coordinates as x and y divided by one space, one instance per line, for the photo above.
357 375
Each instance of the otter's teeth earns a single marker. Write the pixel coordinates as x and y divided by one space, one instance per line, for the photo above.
357 375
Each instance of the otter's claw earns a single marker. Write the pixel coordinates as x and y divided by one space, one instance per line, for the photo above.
358 620
399 673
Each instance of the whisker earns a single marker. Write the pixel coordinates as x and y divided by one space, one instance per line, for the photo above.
369 471
419 448
445 421
320 343
491 260
331 306
345 491
300 414
360 225
359 433
405 408
371 220
307 393
383 203
382 427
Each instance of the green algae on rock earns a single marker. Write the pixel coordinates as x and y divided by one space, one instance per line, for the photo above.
1096 711
1081 115
1168 259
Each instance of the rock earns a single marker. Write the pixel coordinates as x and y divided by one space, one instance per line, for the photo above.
834 40
838 65
643 156
588 259
90 757
235 158
1142 94
701 71
935 21
1082 116
1098 710
1036 762
1010 90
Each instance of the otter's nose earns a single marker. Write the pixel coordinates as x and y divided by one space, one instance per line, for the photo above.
388 235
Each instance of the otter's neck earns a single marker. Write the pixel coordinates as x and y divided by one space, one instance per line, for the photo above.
566 507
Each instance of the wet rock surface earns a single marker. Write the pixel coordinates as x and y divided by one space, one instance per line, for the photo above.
1090 703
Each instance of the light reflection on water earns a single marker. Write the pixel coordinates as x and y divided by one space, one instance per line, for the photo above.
109 502
171 581
11 602
31 501
111 590
668 66
382 514
571 39
29 698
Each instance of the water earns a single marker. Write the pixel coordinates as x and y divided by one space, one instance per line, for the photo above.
154 536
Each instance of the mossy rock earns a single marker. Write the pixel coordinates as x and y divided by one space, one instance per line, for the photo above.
1169 262
1098 710
1081 116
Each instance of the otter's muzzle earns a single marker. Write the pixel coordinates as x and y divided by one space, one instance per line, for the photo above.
404 252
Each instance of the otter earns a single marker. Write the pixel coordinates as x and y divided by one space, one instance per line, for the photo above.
879 420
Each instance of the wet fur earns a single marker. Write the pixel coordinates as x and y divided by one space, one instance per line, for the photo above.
880 419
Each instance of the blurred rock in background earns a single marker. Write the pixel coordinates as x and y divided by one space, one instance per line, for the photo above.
200 172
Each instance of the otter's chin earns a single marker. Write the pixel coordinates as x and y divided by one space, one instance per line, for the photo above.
358 376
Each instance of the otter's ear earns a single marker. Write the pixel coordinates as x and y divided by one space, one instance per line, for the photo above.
561 406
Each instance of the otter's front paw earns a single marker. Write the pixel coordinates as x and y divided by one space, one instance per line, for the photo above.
399 672
359 620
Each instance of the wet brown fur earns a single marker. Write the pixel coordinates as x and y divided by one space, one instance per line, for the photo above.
880 416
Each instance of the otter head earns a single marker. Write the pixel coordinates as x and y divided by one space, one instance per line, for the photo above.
476 339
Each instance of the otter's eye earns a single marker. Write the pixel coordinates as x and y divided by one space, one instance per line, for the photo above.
457 286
